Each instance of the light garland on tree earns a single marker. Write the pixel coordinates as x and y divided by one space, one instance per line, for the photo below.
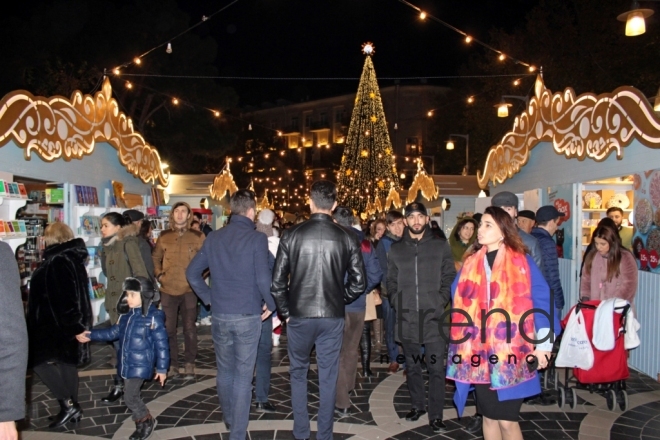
367 165
222 183
424 182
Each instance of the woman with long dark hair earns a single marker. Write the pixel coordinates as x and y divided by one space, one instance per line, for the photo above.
58 310
610 270
120 259
461 238
499 279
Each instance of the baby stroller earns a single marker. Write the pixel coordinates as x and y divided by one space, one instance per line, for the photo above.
608 375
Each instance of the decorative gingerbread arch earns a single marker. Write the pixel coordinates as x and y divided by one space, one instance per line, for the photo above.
58 128
584 127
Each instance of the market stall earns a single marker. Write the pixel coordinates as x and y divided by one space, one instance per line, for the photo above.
71 160
584 154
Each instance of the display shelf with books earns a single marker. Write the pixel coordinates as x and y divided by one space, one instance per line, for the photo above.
12 231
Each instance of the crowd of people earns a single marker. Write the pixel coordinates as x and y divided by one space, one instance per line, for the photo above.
321 277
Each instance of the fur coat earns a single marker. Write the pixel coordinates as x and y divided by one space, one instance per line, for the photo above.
59 306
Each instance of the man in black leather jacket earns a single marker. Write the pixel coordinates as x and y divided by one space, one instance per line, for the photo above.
312 262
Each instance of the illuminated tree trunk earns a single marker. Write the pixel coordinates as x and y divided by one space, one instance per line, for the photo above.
367 165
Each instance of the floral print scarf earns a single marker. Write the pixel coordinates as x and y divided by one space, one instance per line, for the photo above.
483 355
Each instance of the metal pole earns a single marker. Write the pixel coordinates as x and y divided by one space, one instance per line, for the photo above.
467 154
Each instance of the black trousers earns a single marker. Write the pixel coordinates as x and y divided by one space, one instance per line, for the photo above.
434 356
61 379
133 400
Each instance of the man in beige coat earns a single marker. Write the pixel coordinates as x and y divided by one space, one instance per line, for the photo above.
174 250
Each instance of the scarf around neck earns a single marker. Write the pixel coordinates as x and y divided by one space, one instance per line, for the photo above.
509 289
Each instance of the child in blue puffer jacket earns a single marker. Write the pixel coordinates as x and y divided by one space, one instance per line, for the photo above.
143 345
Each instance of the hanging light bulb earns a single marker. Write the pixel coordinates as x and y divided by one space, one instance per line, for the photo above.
169 48
430 113
450 145
503 109
129 85
635 19
116 71
175 101
216 114
502 57
422 15
532 68
137 61
396 126
470 99
468 39
516 82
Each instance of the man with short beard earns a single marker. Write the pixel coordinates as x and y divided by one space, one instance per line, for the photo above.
174 251
615 213
420 270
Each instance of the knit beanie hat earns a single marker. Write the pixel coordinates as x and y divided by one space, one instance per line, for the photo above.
265 222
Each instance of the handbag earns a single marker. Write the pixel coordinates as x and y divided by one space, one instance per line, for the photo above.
575 350
373 300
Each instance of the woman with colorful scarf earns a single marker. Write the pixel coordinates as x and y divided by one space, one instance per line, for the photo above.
499 355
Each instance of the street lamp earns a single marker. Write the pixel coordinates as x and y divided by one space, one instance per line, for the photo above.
450 146
635 19
503 106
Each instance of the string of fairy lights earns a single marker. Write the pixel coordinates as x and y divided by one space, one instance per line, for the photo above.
469 38
120 72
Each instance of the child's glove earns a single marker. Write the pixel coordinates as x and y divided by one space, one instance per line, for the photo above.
83 337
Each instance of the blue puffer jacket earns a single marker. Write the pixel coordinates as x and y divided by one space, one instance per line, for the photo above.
143 343
550 267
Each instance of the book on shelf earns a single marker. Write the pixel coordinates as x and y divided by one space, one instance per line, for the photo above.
9 227
13 189
22 191
21 226
2 229
3 192
93 260
54 195
90 225
96 290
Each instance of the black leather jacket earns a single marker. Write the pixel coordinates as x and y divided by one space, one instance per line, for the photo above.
312 260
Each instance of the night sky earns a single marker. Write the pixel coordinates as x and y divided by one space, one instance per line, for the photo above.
322 38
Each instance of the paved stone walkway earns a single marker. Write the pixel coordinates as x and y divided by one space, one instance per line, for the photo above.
189 409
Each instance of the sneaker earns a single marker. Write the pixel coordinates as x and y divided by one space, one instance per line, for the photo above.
276 340
205 321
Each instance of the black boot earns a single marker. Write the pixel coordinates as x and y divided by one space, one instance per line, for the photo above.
116 392
144 428
70 410
365 349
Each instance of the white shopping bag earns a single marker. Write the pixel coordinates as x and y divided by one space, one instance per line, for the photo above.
575 349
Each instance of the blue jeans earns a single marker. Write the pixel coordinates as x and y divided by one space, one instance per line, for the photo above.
235 339
389 321
302 334
262 380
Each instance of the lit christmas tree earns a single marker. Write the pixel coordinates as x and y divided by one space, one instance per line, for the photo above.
368 170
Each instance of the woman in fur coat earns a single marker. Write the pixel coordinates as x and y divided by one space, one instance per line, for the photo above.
58 310
120 259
